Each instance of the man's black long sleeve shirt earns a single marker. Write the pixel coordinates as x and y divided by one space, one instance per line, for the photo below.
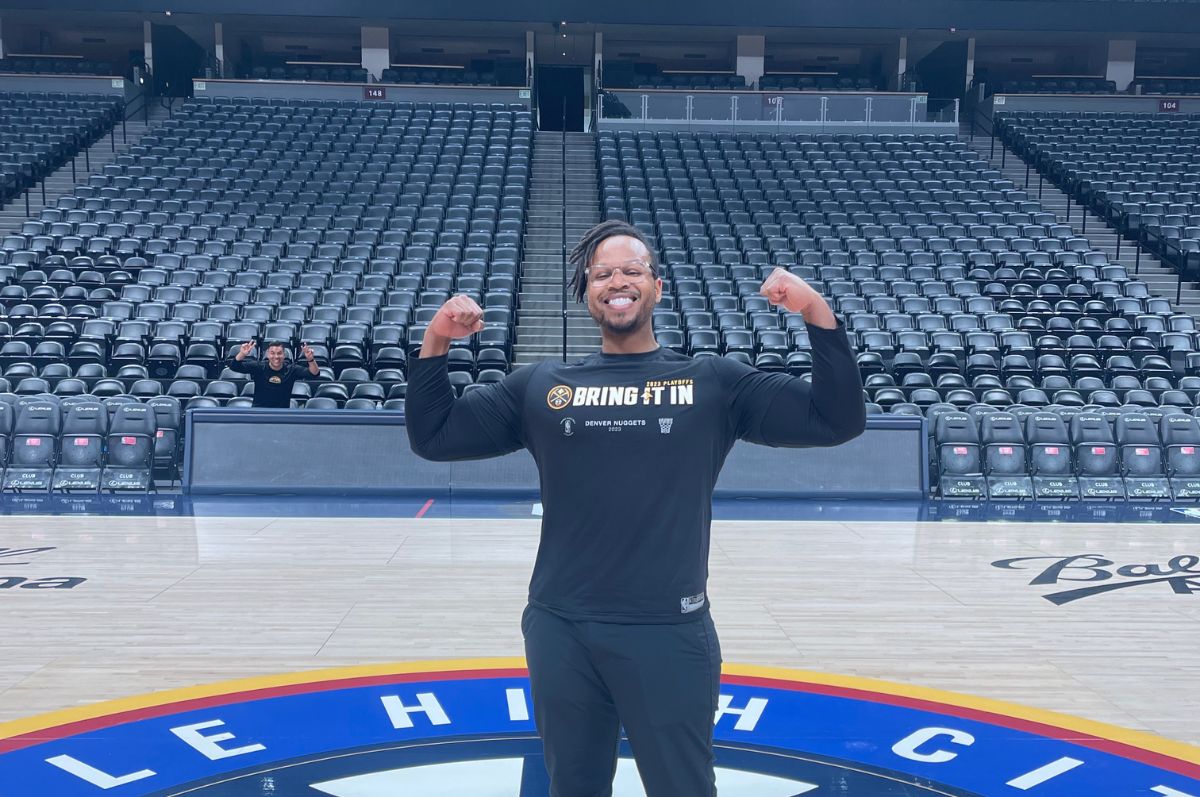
629 448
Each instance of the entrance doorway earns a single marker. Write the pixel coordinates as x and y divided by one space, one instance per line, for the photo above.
560 98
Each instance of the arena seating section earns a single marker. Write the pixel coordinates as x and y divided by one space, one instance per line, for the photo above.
341 224
1169 86
498 73
618 77
816 83
41 131
339 73
1081 85
502 73
959 291
55 66
1043 369
689 80
1140 172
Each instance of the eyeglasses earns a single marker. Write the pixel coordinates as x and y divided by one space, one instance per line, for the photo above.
633 270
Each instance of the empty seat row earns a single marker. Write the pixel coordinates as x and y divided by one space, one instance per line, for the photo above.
794 82
1080 85
343 225
84 446
1134 457
689 80
340 73
41 131
55 66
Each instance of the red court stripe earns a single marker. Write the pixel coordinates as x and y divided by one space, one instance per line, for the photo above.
309 687
424 509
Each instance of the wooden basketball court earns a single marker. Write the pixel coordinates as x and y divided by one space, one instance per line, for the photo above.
182 601
179 601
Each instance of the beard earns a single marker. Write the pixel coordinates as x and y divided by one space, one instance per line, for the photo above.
634 322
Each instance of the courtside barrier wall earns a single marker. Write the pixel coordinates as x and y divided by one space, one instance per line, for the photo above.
234 451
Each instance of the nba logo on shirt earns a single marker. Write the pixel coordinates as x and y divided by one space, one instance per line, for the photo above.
568 425
664 425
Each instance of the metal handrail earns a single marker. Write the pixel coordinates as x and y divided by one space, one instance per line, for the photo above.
565 321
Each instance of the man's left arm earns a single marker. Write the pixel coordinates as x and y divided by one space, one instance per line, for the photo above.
778 410
311 369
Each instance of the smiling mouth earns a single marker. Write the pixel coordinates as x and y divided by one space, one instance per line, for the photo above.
620 302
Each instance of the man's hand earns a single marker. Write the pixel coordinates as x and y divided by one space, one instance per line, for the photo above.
307 351
244 351
785 289
459 317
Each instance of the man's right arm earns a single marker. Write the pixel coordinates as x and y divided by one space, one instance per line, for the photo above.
241 366
483 423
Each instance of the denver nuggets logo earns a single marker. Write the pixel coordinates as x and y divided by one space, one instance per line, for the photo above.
466 728
559 397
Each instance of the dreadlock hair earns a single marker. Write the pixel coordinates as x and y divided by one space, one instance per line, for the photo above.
581 256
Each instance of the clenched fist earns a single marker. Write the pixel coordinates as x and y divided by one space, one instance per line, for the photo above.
785 289
459 317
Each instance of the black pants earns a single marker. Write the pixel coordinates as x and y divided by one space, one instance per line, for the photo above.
659 682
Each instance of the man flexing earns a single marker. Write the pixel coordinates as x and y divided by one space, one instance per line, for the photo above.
629 443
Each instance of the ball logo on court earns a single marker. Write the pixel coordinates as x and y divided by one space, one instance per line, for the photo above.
1181 573
559 397
18 557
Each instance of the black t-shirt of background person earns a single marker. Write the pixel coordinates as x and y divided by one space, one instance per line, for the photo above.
272 388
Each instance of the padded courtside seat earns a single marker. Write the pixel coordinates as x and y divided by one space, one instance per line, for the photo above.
130 446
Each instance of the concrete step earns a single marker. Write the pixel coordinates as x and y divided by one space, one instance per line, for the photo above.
539 316
548 310
533 291
553 345
553 342
544 349
551 212
578 328
550 347
535 354
551 317
545 269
